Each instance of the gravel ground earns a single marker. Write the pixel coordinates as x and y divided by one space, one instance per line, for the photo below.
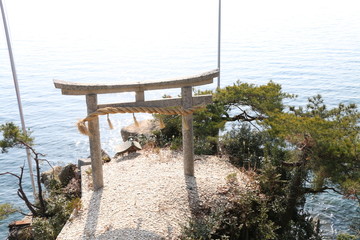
146 196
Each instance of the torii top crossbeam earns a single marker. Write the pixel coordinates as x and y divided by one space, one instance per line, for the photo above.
186 101
71 88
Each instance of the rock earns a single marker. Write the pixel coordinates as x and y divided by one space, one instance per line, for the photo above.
84 162
146 128
20 230
49 175
130 146
67 173
73 189
105 157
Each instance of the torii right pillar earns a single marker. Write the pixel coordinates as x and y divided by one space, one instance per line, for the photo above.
187 132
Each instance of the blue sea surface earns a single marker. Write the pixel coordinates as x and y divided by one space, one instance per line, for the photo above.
309 47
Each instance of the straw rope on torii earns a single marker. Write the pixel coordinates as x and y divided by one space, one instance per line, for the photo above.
81 124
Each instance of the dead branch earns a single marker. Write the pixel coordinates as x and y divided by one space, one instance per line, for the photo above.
20 191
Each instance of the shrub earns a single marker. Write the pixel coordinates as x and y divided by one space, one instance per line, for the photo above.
59 208
5 210
244 145
344 236
243 215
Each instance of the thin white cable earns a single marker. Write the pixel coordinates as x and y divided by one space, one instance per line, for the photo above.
13 69
219 43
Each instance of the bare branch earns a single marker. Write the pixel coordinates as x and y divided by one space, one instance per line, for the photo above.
47 161
24 214
255 126
22 194
10 173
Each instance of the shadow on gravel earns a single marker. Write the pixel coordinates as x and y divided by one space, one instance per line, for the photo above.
118 234
129 156
93 214
128 233
193 195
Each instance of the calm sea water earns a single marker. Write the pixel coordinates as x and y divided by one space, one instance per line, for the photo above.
307 47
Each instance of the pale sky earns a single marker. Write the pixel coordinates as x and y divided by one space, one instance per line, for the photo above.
119 18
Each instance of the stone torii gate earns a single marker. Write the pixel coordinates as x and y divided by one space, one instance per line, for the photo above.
187 101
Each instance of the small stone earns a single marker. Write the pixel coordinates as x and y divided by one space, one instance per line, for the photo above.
105 157
130 146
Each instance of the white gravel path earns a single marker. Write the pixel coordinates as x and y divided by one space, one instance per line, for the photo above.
146 196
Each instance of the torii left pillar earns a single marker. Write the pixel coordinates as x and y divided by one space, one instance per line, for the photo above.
95 144
187 132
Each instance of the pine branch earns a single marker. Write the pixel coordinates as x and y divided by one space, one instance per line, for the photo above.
320 190
244 117
292 164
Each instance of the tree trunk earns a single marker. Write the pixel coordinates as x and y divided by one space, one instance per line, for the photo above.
40 195
296 191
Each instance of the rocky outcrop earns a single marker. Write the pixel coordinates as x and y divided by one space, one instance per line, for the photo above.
68 173
49 175
59 181
20 229
61 174
73 188
70 180
146 128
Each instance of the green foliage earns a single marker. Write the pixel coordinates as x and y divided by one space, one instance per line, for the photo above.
254 103
257 100
207 123
59 208
205 131
246 218
201 228
241 216
74 204
302 228
251 215
285 149
6 209
171 134
344 236
333 137
13 137
293 143
244 145
205 146
54 187
43 229
274 184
